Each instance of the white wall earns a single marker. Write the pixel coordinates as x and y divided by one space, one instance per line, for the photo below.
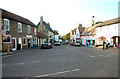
107 32
119 29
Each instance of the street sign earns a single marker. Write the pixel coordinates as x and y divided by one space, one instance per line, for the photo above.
3 32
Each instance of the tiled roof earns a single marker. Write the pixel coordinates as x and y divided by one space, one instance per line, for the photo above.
47 26
86 30
109 22
40 35
9 15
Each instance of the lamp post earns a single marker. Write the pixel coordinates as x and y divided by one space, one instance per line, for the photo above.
93 20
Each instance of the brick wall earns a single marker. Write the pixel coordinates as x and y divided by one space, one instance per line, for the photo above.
15 34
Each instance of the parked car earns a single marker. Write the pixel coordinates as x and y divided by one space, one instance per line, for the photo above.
77 43
46 45
71 43
57 43
64 43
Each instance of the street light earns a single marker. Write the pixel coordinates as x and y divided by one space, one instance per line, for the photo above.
93 20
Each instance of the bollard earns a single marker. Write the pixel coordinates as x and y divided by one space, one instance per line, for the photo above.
8 50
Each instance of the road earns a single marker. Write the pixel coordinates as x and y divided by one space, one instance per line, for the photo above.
62 61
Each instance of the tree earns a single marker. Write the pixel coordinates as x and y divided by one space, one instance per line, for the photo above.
66 37
56 32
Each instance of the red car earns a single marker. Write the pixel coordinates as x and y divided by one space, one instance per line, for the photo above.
71 43
64 43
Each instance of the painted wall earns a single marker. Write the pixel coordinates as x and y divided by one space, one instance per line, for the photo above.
118 29
107 31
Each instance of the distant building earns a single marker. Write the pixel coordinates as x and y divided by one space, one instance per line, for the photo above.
108 31
17 32
89 36
76 33
45 29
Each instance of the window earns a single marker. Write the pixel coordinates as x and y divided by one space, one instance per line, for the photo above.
28 29
108 28
35 30
7 39
24 41
100 29
6 25
115 27
19 27
35 40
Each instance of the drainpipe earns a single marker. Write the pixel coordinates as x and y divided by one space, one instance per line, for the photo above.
0 29
0 43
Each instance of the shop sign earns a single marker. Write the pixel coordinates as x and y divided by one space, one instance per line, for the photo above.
29 36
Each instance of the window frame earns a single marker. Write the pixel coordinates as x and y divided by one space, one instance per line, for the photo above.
10 39
7 25
29 29
20 27
25 41
35 40
35 30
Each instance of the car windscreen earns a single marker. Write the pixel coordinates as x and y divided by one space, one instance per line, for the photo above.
45 43
57 42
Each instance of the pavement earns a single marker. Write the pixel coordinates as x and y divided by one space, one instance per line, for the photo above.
62 61
18 51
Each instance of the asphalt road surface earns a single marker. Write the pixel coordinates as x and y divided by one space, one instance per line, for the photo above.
62 61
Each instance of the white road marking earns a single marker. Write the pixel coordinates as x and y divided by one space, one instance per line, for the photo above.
35 61
3 65
87 54
62 72
18 63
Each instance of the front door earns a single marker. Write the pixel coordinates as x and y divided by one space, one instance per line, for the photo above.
20 42
14 44
28 43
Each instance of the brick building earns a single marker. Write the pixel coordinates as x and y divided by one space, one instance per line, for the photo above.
45 29
17 32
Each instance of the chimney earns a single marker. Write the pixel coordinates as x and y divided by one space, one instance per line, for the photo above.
41 19
93 20
80 25
48 23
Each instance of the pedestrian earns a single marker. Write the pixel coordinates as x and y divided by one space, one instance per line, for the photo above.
114 44
107 44
103 44
87 44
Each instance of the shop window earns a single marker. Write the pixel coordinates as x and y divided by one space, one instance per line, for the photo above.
35 40
24 41
7 39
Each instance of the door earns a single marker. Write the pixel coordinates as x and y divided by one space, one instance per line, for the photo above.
14 44
20 42
28 43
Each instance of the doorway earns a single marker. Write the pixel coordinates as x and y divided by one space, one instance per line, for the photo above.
14 44
28 43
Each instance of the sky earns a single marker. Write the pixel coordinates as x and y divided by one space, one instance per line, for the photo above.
63 15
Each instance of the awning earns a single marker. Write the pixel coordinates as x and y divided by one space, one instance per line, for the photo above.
40 35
